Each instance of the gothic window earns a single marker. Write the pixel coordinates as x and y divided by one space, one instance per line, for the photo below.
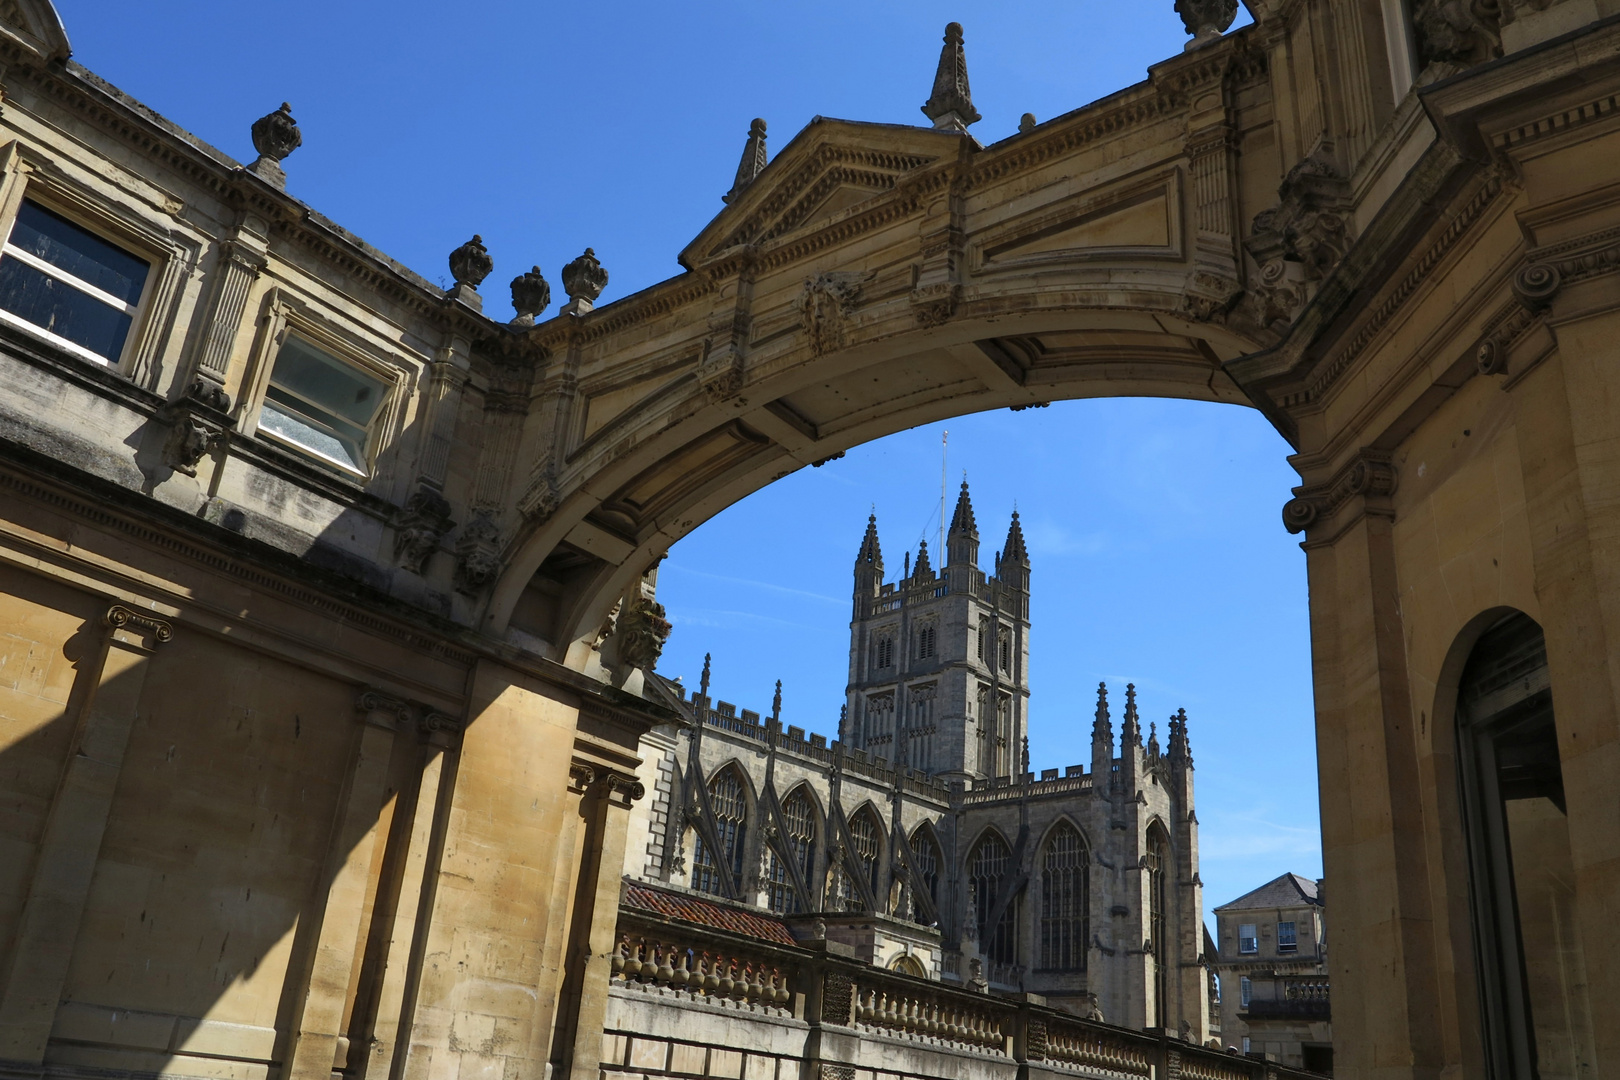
1065 900
861 859
984 633
799 817
1158 861
1521 869
1004 649
925 860
988 866
926 641
883 652
730 806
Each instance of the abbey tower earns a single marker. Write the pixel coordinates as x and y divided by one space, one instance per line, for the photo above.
939 660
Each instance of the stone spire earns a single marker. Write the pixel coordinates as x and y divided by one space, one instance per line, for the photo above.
1012 567
753 160
868 566
924 567
962 542
1130 733
1180 749
950 106
1153 740
1102 741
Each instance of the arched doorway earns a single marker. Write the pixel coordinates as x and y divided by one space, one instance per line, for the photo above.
1528 959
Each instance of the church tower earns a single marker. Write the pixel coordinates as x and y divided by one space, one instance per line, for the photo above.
939 660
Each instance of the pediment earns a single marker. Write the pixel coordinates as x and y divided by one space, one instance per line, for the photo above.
830 169
35 25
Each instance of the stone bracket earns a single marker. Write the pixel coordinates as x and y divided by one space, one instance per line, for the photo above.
1370 474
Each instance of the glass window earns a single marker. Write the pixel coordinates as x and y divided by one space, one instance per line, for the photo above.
321 404
1287 941
799 817
730 806
1245 995
1248 938
1065 901
925 860
62 279
986 868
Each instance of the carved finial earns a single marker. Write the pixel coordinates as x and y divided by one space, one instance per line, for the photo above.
950 106
274 137
924 568
1206 20
583 280
1025 769
703 683
776 702
470 264
1153 739
531 294
753 160
1131 729
1026 123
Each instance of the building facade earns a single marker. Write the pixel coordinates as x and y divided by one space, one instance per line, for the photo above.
920 837
328 601
1273 969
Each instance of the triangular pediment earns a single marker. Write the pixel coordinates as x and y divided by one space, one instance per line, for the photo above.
35 25
828 171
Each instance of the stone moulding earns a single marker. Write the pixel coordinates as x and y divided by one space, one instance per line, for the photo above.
1371 473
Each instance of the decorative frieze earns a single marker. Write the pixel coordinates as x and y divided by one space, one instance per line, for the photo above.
1370 474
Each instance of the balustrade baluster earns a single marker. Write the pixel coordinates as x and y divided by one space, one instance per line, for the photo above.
664 973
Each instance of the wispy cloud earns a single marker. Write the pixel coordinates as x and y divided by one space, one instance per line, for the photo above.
751 584
1047 537
1247 836
715 619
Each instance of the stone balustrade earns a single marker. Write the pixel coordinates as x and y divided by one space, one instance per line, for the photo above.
1092 1047
908 1008
719 977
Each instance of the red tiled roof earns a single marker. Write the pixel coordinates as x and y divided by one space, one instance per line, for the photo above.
705 913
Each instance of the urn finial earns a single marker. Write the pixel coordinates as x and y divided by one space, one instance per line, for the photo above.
583 280
275 136
1206 20
950 106
531 294
470 264
753 160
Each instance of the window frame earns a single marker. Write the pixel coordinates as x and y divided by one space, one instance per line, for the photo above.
290 317
26 176
1248 944
1292 945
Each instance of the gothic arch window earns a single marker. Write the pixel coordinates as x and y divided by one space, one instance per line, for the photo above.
926 861
1004 649
799 836
862 859
883 651
988 866
927 640
1157 863
1519 858
729 801
1065 900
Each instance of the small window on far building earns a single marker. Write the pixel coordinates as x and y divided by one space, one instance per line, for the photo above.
1004 651
884 653
1246 1044
80 290
925 643
1287 941
322 405
1245 994
1248 938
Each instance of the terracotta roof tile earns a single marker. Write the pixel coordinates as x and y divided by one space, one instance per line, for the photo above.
705 913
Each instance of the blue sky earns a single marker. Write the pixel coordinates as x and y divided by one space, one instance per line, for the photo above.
1154 526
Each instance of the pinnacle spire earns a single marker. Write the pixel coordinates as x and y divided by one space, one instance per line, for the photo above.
753 161
871 554
1014 550
923 567
950 106
1180 749
1153 739
962 521
1131 731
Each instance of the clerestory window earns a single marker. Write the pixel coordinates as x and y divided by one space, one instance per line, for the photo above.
80 291
1065 900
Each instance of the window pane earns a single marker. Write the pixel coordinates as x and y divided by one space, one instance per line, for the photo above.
1248 938
1286 941
327 382
278 418
83 254
62 310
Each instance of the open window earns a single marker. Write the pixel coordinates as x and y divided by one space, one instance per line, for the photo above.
323 405
1528 956
70 286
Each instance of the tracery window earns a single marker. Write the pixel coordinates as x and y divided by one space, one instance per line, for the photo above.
883 652
1158 861
1065 900
861 859
926 640
987 867
730 806
800 836
925 860
1004 649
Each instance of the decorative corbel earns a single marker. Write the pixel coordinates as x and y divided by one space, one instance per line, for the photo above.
1371 474
199 423
382 710
419 527
478 555
613 783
